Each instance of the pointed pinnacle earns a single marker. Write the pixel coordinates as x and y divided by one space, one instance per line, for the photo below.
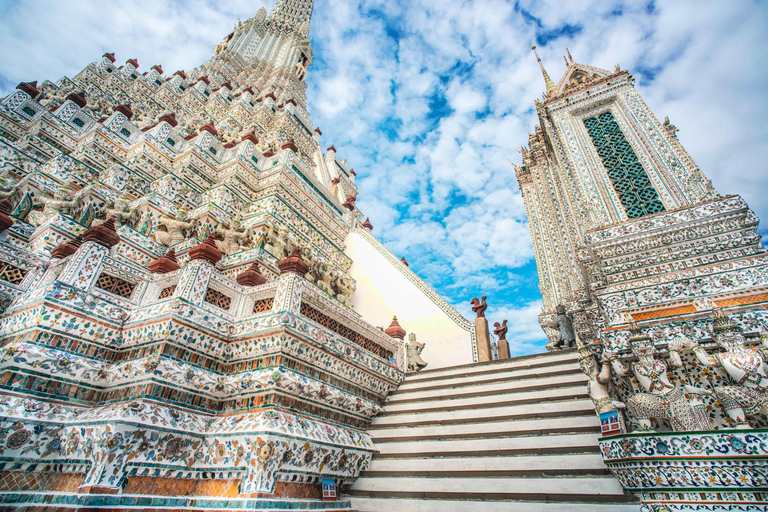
547 81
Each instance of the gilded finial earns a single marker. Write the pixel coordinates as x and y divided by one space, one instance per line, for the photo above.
547 81
570 59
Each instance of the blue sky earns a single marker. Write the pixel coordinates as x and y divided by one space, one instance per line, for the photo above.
428 99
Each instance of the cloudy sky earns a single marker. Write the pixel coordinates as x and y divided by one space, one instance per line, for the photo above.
428 99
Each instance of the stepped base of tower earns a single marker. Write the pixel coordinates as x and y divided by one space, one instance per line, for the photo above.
54 502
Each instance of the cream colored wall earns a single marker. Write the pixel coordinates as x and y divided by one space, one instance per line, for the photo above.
383 291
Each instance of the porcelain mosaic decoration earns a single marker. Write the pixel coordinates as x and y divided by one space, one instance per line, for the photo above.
176 303
661 283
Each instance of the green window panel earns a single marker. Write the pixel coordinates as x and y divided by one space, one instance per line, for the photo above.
625 171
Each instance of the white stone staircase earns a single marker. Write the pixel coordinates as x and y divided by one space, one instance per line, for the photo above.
518 435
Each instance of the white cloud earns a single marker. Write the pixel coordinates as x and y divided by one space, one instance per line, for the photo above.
428 99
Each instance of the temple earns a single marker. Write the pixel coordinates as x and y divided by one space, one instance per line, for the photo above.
644 266
195 314
192 302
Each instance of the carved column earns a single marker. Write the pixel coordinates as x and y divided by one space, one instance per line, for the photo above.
483 340
503 349
84 267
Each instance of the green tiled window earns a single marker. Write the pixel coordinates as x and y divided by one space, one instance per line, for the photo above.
627 174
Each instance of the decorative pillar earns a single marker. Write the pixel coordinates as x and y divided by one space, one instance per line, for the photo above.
290 283
197 273
481 329
84 268
396 331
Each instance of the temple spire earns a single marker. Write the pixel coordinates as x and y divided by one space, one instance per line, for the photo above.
291 15
570 59
547 81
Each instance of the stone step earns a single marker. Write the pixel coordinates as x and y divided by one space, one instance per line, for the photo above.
520 427
515 452
518 363
591 461
491 378
578 405
493 435
493 473
502 398
518 435
563 441
490 389
455 502
472 486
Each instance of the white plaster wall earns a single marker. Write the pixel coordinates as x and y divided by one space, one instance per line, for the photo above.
384 291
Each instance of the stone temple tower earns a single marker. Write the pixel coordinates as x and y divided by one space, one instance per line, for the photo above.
599 157
643 265
190 295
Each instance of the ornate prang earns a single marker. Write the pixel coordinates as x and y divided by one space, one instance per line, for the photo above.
103 234
165 264
266 387
349 204
293 263
252 276
65 249
479 306
395 330
29 88
206 251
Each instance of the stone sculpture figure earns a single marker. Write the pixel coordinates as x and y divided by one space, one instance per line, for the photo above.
7 190
99 106
280 242
58 204
502 345
500 329
56 98
564 325
232 237
175 227
479 306
270 237
413 354
232 134
309 259
144 119
745 366
325 282
662 399
341 285
599 377
121 211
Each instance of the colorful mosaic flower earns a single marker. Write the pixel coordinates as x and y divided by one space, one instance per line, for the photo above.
265 453
18 439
